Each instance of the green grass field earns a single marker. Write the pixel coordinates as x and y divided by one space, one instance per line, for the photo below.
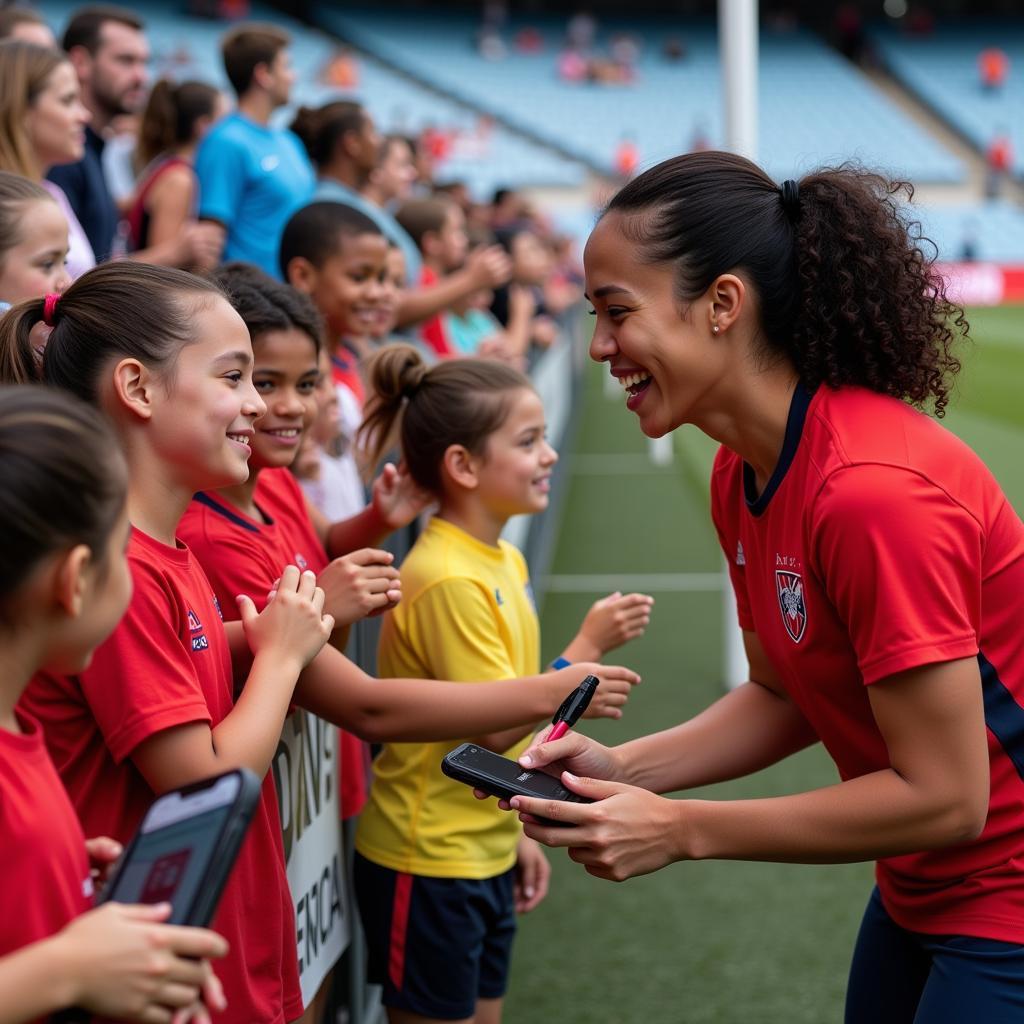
706 943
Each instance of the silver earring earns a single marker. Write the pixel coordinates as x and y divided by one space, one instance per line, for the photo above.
714 328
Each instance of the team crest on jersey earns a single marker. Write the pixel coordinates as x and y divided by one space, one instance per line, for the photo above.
195 627
790 588
301 562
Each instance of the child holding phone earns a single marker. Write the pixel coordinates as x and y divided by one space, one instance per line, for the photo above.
440 876
167 359
65 584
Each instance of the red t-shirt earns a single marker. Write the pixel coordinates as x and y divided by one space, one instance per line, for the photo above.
167 664
433 330
345 371
43 862
880 544
242 555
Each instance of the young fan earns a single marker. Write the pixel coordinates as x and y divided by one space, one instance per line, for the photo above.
64 583
33 241
169 362
439 876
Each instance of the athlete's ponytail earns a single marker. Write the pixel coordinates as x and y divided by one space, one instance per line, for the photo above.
845 290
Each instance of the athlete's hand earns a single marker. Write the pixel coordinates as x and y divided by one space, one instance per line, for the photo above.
122 962
574 752
396 498
615 620
293 626
626 832
359 584
533 874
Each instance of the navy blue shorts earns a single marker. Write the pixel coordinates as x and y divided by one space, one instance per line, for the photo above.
902 977
436 945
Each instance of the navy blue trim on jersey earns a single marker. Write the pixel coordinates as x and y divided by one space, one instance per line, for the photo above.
204 499
1003 715
798 407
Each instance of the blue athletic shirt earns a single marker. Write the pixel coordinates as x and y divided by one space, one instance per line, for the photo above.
251 179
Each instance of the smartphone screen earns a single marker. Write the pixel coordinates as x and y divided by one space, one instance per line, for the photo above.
170 858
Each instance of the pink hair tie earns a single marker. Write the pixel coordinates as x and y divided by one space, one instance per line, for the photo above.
50 307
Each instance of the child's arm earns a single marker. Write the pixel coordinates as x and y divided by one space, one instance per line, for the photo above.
284 637
425 710
610 623
116 961
396 502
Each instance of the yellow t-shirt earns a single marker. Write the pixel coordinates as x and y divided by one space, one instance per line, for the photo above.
467 613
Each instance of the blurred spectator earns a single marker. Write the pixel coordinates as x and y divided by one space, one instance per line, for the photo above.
674 49
390 182
993 68
109 52
627 157
42 124
581 31
529 40
438 226
345 147
162 218
507 208
27 25
572 66
998 161
341 70
699 140
252 176
848 28
625 50
531 270
33 242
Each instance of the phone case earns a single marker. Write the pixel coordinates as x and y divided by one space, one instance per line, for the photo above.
497 775
164 875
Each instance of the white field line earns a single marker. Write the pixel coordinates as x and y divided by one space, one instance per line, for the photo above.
663 582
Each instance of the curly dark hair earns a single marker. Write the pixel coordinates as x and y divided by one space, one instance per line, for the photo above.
847 292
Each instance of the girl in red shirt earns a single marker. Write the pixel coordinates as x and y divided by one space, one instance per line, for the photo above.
168 360
65 584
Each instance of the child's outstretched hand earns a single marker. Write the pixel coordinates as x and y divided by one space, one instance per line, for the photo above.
615 620
359 584
293 626
613 692
397 499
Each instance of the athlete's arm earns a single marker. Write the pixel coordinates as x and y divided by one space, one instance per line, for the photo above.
934 794
750 728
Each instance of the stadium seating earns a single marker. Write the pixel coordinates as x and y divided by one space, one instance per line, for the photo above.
942 70
186 47
814 107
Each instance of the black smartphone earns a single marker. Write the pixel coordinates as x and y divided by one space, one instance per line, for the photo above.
185 847
497 775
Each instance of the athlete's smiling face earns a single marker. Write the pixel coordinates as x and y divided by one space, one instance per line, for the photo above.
664 354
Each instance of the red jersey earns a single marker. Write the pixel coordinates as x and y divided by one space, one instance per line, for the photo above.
167 664
43 863
882 543
242 555
345 371
433 330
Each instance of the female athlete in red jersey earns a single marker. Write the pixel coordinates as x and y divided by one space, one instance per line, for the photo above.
878 572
